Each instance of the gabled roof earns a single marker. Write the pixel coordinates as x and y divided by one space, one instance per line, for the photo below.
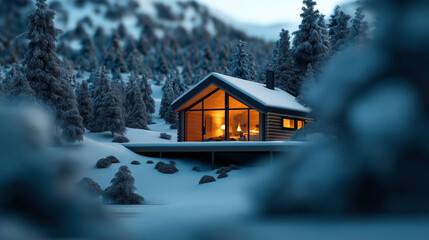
256 95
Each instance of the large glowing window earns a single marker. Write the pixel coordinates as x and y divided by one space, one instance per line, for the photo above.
214 125
234 103
210 120
254 125
215 101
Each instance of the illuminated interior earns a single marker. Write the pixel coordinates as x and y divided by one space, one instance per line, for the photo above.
293 123
220 117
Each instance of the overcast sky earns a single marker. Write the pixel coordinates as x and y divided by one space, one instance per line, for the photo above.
266 12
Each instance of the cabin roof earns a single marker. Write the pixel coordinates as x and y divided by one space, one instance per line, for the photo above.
254 94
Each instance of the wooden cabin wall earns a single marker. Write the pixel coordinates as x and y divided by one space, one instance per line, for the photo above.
274 130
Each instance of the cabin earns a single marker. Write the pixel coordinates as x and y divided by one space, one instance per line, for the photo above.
224 108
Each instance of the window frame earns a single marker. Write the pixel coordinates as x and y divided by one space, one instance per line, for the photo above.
295 121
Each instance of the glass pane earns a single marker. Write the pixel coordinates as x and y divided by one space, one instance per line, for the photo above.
214 123
254 125
193 126
199 106
288 123
234 103
300 124
215 101
238 125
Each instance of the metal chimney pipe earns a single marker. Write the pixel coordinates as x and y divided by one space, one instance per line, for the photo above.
270 80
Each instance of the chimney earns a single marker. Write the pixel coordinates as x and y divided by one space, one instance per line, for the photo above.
270 80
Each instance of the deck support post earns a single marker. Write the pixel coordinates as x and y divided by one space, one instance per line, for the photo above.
271 157
213 160
160 154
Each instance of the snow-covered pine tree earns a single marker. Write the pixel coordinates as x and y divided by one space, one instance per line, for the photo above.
72 126
284 67
99 91
187 74
309 45
121 190
240 64
137 115
146 91
161 67
19 88
135 61
43 70
339 30
129 93
84 102
359 28
113 118
87 59
207 62
324 30
115 58
118 88
168 94
223 56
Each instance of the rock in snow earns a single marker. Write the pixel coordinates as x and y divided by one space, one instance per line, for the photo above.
120 139
207 179
103 163
223 170
196 169
113 159
166 168
222 175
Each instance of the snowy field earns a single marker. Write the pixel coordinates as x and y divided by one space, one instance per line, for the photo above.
177 207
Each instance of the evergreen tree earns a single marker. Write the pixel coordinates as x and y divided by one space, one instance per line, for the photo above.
122 189
129 93
240 64
84 103
324 30
135 61
187 74
309 45
284 67
146 91
43 68
115 58
99 91
118 88
339 30
161 67
168 95
87 60
137 115
72 126
359 29
19 88
112 114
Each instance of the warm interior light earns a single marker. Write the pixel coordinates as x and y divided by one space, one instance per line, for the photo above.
222 127
239 128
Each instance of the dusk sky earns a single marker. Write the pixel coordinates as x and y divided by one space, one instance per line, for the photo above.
268 11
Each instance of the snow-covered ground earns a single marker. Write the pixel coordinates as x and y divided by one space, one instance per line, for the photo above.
177 207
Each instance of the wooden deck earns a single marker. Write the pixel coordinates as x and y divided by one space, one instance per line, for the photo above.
215 147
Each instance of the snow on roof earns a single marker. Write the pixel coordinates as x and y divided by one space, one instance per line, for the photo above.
276 98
